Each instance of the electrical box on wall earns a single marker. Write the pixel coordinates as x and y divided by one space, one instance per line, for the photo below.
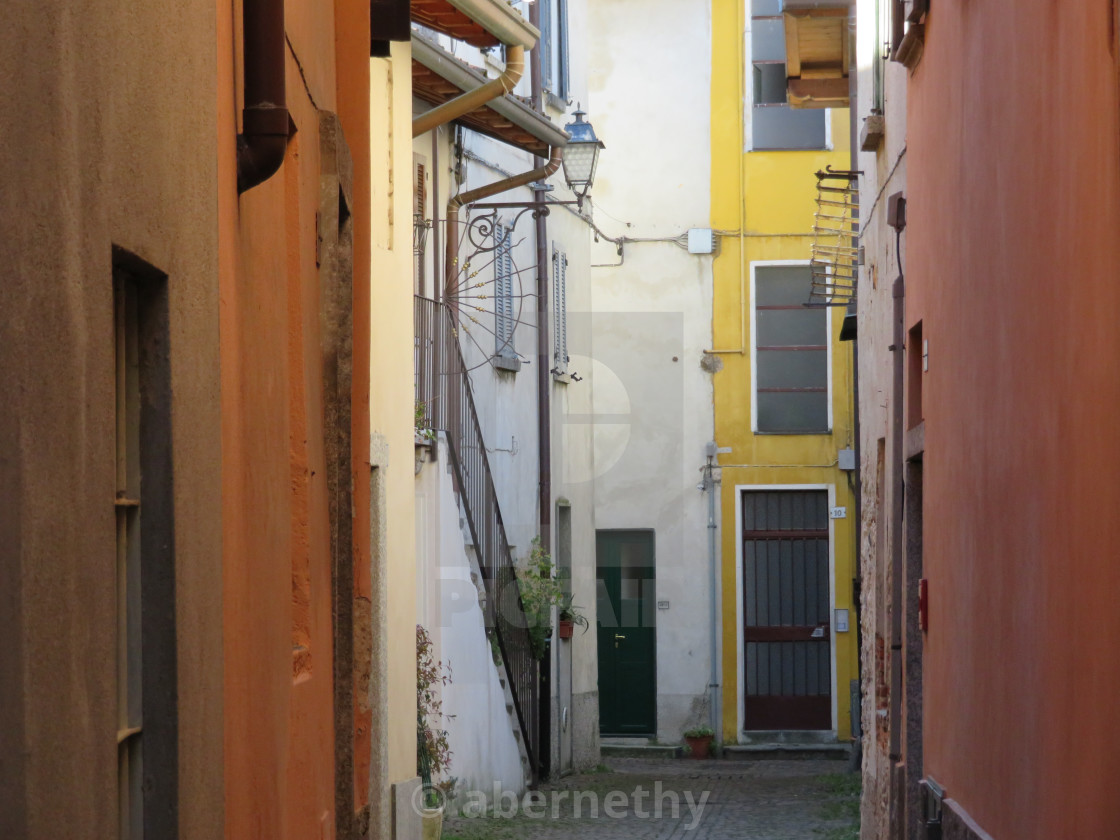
846 459
701 241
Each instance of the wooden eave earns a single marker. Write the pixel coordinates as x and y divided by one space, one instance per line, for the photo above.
508 118
442 17
817 58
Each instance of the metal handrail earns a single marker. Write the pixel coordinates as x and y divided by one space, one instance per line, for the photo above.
443 388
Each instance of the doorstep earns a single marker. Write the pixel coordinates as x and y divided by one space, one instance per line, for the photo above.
637 748
808 750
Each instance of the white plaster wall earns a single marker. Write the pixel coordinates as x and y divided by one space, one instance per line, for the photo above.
649 78
481 731
507 403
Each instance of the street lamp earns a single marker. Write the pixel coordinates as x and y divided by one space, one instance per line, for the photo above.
581 155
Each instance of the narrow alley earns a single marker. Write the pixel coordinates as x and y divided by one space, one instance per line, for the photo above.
436 419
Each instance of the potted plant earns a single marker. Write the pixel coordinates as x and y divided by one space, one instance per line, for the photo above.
539 590
699 740
569 618
433 754
425 435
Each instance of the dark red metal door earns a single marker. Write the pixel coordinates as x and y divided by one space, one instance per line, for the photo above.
786 632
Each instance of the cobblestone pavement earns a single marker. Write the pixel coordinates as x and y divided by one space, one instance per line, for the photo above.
633 799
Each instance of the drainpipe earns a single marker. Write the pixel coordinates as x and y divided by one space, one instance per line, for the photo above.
544 390
474 99
544 399
451 266
714 699
264 120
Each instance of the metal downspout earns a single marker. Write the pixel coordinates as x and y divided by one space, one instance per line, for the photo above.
265 125
474 99
544 401
714 699
451 266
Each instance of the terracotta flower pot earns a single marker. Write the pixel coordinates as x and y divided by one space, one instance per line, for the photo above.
566 629
700 746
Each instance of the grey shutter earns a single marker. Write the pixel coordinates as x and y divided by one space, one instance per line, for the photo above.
562 46
560 310
503 291
545 43
564 308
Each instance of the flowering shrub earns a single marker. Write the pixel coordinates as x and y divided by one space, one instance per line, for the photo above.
433 754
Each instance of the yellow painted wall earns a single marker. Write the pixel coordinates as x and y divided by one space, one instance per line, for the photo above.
767 199
392 397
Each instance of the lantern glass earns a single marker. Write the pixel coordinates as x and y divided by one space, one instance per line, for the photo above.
579 163
581 155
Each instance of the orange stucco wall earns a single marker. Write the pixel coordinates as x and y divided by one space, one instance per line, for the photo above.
1010 256
279 713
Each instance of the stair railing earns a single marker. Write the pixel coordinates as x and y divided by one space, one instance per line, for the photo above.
443 389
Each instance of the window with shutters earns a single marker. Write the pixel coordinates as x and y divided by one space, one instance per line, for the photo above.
554 50
774 124
559 312
789 352
505 315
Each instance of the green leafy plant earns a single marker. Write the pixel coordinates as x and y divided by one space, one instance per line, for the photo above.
422 424
495 648
540 591
699 732
433 753
571 612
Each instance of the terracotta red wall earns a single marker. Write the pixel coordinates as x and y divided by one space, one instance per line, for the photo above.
1011 257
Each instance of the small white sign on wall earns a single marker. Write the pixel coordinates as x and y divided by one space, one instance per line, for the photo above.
838 513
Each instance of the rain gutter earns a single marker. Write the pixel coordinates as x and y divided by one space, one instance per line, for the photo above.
507 25
466 78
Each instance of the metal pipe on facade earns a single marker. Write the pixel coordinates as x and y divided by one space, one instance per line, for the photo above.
544 401
265 125
451 265
714 700
476 98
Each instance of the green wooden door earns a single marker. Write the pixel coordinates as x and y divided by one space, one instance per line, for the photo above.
627 606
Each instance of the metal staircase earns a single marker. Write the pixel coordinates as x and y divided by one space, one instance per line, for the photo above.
443 388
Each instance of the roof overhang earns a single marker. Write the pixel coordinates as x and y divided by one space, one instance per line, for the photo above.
481 23
437 76
817 53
